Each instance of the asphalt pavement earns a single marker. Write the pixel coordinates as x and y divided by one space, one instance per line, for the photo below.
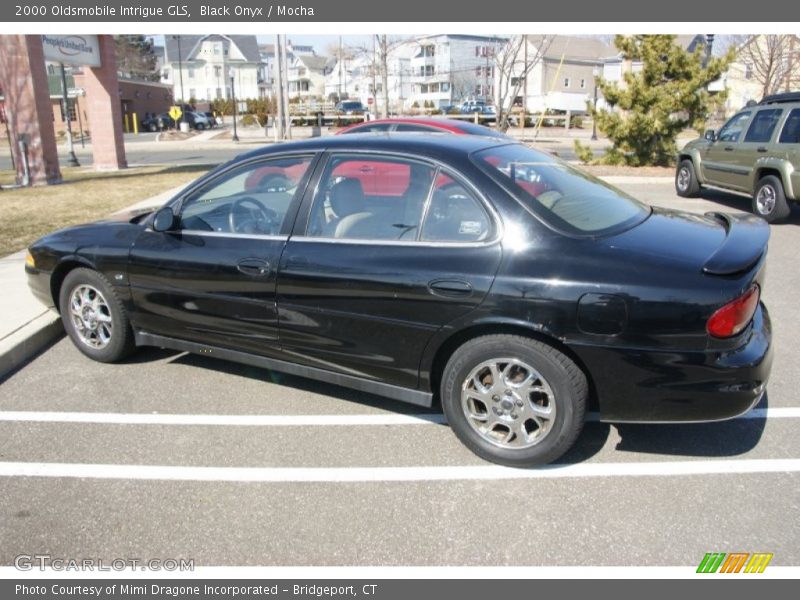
184 456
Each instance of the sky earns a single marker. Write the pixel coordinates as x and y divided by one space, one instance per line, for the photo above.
319 42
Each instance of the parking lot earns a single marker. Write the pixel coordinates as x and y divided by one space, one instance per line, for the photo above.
184 456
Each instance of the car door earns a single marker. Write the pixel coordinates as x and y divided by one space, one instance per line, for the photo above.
210 279
719 158
370 274
756 142
788 147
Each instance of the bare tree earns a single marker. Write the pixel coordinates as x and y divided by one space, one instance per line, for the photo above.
512 65
380 52
774 61
343 54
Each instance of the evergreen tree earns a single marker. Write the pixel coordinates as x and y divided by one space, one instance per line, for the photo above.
136 58
654 105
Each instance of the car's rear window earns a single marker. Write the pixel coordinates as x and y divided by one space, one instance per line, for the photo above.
568 199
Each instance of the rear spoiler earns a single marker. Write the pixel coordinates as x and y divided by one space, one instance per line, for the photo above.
745 243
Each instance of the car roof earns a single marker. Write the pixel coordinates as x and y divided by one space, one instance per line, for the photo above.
445 124
426 144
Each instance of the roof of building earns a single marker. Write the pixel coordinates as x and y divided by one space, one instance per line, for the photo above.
573 47
316 63
247 45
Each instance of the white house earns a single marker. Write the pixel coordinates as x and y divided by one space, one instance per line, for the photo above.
200 67
562 75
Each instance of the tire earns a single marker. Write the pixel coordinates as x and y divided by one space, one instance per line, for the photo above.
509 424
769 200
686 184
103 333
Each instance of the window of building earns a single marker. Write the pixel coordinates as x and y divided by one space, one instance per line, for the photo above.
191 72
566 82
583 84
748 71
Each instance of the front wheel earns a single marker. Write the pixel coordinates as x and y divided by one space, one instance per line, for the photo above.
93 316
769 200
514 401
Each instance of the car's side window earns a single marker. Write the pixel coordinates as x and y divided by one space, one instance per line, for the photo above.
763 125
368 128
405 127
251 199
790 134
370 197
454 214
731 131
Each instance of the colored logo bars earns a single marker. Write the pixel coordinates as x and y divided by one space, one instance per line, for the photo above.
735 562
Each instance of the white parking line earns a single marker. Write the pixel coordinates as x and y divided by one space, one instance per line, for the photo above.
233 420
381 474
285 420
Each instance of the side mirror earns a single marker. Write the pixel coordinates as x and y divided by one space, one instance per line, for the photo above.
710 135
164 219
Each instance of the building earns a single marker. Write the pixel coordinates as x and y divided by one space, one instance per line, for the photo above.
306 74
561 72
449 69
764 64
358 77
200 67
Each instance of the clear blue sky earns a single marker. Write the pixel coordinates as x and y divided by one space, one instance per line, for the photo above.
319 42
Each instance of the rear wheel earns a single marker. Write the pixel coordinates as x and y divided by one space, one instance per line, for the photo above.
769 199
686 184
93 316
513 400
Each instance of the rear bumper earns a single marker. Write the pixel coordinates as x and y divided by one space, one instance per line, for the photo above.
670 387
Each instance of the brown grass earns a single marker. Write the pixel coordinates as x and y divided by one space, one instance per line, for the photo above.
86 195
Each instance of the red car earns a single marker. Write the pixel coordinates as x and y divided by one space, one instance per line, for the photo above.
441 125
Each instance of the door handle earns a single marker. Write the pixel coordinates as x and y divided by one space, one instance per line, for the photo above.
450 288
761 149
728 148
254 267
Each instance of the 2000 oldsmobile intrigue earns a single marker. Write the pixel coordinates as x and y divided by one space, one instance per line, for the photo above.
511 286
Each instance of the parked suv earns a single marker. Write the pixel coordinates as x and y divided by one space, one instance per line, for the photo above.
756 152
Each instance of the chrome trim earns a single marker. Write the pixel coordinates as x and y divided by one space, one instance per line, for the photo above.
225 234
327 240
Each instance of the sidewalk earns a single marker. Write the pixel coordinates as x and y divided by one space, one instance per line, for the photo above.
27 327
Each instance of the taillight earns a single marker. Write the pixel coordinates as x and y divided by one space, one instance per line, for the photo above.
735 315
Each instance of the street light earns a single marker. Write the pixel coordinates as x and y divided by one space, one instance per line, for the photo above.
180 74
72 160
235 137
596 73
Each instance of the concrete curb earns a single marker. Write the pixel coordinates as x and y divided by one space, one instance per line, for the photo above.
26 342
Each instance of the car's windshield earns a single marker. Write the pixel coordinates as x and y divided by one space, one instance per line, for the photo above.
570 200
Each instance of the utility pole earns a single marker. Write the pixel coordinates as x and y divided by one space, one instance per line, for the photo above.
341 58
285 68
374 82
524 85
180 74
280 122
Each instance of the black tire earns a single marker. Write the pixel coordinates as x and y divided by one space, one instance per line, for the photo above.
686 184
567 396
769 200
120 342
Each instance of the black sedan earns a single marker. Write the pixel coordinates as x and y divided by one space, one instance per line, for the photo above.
500 281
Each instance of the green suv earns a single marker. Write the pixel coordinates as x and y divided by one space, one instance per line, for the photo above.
757 152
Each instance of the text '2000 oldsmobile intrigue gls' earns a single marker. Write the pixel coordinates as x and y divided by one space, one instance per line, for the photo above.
500 280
